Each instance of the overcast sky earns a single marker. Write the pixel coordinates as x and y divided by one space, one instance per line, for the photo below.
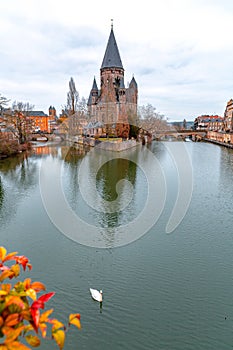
179 51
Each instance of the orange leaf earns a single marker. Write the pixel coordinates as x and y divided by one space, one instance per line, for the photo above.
38 286
45 315
1 322
6 274
3 347
33 340
15 269
74 316
3 252
59 337
26 315
75 320
6 287
15 300
28 328
27 283
56 324
16 345
10 256
12 320
11 333
43 329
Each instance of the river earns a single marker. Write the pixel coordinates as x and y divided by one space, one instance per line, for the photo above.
69 211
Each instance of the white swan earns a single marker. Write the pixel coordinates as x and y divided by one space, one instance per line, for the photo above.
96 295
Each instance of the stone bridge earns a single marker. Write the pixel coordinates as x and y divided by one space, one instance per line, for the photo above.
47 137
179 134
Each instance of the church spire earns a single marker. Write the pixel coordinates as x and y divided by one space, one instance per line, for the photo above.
112 57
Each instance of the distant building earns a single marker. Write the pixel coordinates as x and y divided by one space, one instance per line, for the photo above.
43 122
228 117
39 121
113 104
209 122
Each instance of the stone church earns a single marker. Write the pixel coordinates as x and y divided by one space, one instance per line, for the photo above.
113 104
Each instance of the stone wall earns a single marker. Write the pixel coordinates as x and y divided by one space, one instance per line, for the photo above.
220 136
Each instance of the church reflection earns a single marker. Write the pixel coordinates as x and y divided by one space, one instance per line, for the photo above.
107 179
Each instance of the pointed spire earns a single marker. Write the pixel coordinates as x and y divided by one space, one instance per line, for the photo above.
94 85
112 57
133 83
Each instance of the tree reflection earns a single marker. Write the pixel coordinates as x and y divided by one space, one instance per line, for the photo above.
18 175
21 170
1 193
72 156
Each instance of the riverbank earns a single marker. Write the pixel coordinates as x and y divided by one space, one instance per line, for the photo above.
12 147
116 144
220 143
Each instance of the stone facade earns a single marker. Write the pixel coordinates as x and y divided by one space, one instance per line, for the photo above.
228 116
113 104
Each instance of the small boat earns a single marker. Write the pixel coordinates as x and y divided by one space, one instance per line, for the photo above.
96 295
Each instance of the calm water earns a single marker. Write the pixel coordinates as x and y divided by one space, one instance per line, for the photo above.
163 291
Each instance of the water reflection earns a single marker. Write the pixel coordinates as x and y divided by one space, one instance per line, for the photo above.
112 172
72 154
72 157
1 193
48 150
21 170
19 175
107 179
226 166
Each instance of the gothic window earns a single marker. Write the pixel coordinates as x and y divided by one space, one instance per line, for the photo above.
117 87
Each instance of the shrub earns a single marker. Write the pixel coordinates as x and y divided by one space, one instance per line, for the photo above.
20 308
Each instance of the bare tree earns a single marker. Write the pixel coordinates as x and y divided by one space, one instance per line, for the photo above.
3 103
72 98
19 121
151 120
82 106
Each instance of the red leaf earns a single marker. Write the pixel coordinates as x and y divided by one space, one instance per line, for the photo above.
44 298
35 317
37 304
22 260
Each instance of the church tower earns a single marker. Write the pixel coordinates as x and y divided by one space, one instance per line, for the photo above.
112 104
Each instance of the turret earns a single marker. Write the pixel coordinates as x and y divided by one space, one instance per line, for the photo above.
93 94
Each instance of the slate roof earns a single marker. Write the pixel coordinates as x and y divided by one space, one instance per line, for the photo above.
37 114
94 86
133 83
112 57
